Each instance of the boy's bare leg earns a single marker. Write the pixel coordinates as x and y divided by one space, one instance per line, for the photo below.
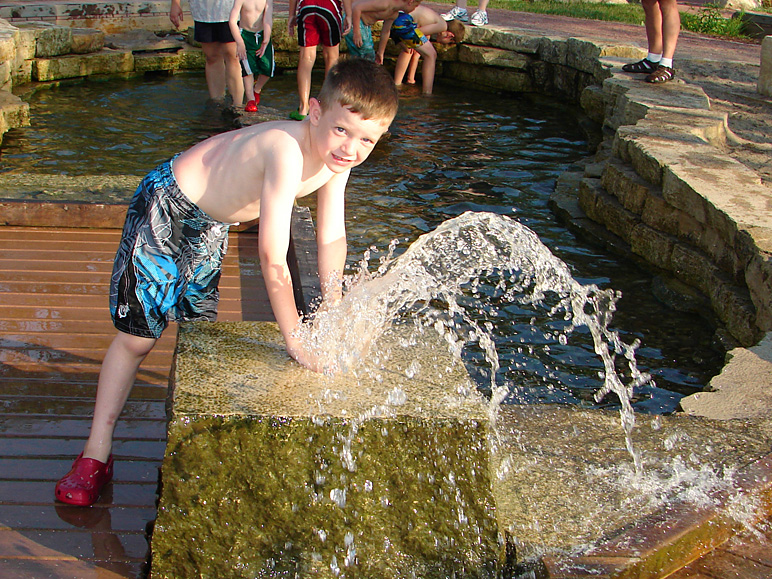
427 70
403 60
260 83
653 24
305 66
671 26
330 55
411 70
214 70
116 378
249 87
233 73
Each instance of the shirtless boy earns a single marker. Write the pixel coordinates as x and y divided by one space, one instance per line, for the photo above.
168 264
412 34
366 13
250 23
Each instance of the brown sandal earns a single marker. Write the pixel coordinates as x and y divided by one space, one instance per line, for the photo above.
662 74
644 65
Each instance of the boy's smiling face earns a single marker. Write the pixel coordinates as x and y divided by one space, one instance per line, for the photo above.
343 138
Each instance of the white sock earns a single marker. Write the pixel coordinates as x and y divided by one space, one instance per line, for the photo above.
668 62
655 58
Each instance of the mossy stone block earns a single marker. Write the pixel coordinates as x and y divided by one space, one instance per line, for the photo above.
272 470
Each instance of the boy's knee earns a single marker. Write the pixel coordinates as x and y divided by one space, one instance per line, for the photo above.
135 345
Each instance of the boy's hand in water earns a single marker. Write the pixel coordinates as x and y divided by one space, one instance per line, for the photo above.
307 359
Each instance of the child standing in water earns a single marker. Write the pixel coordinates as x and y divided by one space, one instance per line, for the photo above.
168 264
317 22
366 13
250 22
412 33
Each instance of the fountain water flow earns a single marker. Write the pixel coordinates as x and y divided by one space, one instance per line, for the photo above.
427 285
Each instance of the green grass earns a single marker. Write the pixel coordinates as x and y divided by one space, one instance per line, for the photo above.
707 21
628 13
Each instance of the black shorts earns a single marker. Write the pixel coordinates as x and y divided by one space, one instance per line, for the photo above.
212 32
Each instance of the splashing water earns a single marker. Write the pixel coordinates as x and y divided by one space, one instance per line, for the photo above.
430 286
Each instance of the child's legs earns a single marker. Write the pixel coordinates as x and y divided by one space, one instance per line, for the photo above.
330 55
233 72
214 69
223 68
403 60
653 23
116 378
411 70
305 66
427 70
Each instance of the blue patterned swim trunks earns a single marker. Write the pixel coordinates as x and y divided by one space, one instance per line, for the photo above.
168 265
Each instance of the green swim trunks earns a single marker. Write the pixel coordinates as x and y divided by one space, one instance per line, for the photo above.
254 65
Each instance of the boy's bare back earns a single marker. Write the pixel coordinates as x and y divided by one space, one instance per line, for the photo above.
226 174
372 11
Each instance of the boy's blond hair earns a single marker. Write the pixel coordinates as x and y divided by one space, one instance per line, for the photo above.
458 31
363 86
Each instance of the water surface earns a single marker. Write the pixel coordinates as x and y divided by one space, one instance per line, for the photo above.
461 150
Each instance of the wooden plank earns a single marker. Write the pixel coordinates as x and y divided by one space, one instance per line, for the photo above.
49 469
723 564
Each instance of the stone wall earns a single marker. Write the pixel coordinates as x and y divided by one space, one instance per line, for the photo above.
661 186
110 17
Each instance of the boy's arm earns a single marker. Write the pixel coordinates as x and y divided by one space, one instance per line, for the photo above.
331 236
233 24
347 13
385 33
356 15
267 27
175 13
293 17
280 185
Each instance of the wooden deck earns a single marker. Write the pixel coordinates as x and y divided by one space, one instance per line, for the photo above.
54 329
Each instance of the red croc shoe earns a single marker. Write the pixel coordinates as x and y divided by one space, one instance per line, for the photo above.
251 107
82 485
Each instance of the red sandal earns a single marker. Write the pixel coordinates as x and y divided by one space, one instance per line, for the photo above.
82 485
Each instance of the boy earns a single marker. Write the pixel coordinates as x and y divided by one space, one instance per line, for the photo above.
169 260
412 32
366 13
250 23
317 21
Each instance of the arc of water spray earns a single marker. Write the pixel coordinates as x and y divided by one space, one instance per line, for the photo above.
438 266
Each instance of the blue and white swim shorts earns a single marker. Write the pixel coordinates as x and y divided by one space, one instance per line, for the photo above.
168 265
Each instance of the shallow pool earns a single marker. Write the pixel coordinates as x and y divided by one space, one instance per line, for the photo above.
457 151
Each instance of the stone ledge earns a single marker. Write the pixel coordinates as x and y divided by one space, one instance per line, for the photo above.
743 389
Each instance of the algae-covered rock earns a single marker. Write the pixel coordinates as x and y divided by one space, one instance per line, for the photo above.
272 470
